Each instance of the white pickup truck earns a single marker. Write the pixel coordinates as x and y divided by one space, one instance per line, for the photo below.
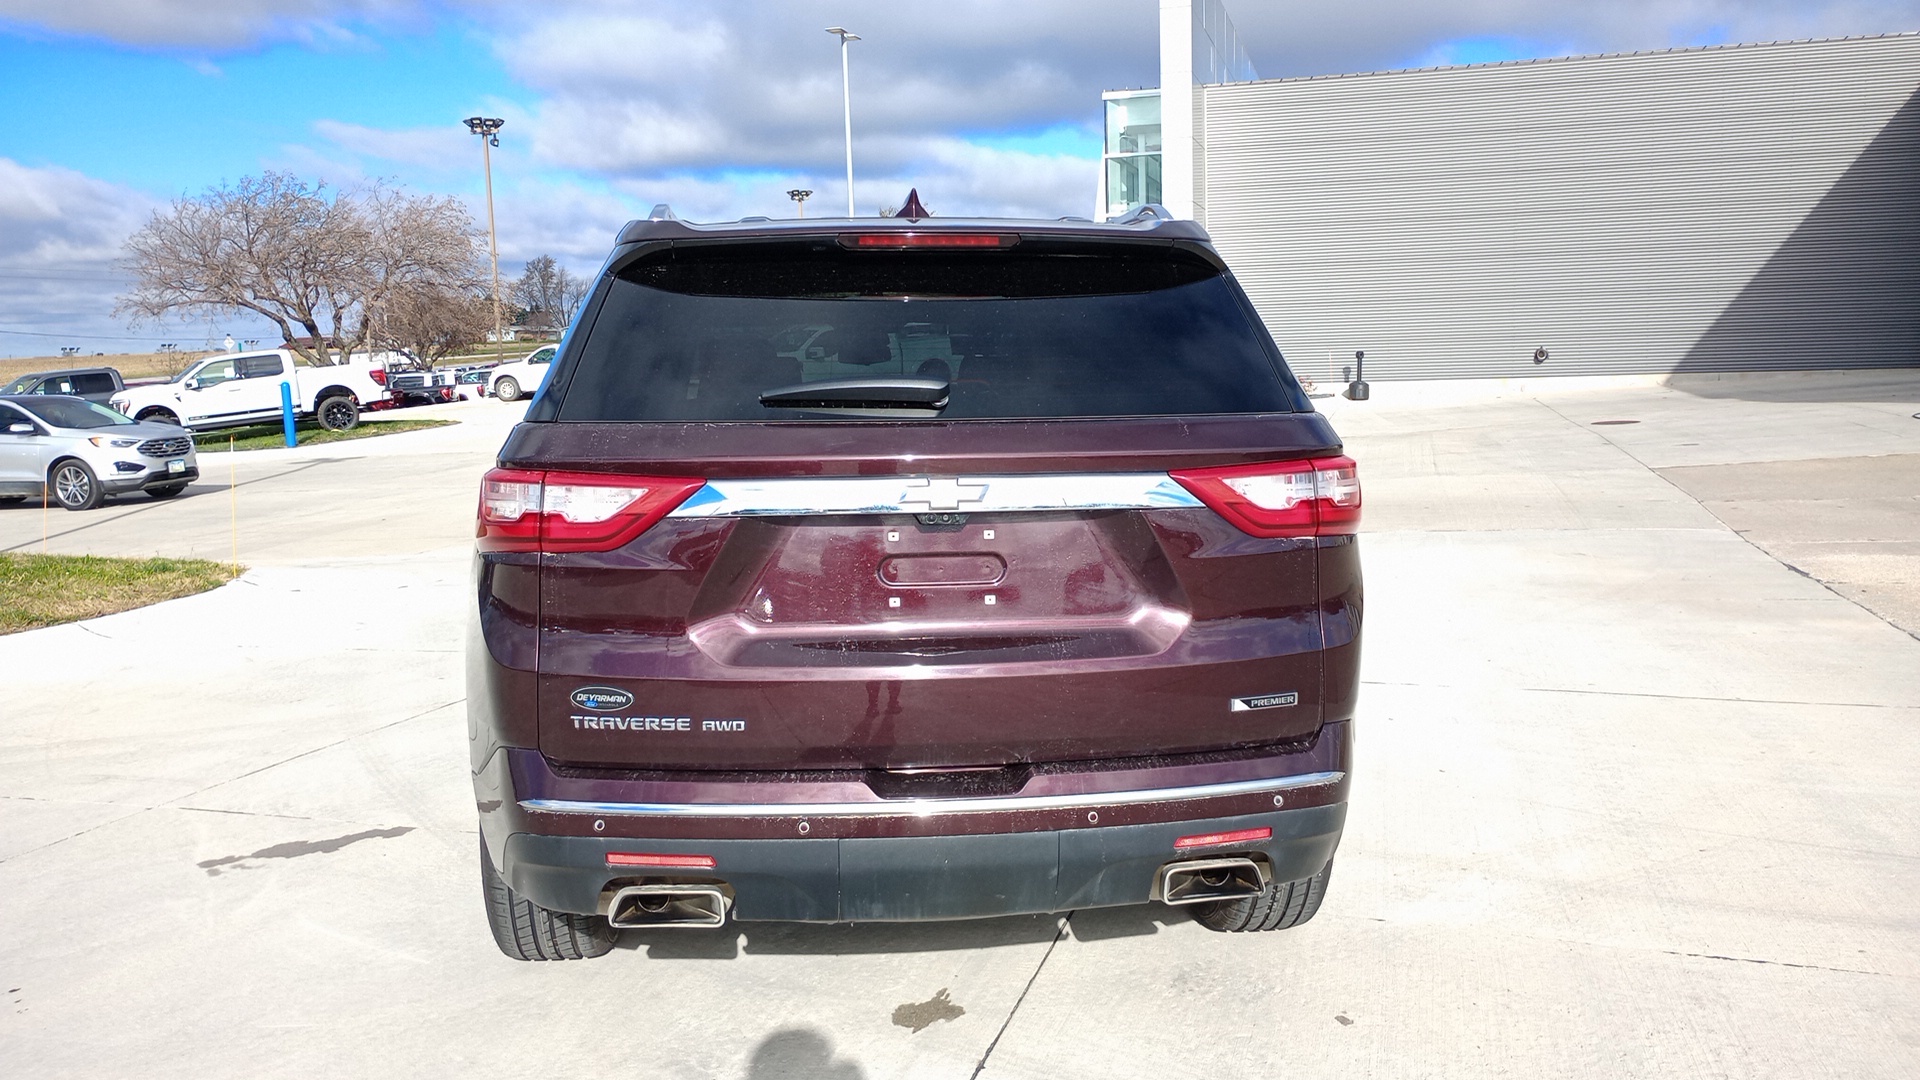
234 389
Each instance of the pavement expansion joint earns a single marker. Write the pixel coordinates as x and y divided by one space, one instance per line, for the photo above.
1777 963
1024 991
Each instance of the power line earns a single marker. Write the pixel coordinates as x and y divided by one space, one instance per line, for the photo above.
82 334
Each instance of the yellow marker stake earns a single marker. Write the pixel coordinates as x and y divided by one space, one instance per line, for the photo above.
233 492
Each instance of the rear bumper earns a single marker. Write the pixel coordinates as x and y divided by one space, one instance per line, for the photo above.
896 879
825 851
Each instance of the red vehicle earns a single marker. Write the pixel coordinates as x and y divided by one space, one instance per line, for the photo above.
896 570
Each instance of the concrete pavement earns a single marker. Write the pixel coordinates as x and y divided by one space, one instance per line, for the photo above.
1634 796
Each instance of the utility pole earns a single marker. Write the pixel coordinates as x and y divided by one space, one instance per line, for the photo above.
800 196
488 128
846 101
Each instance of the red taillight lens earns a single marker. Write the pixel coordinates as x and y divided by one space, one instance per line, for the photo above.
379 376
1218 839
522 510
631 858
1309 497
860 241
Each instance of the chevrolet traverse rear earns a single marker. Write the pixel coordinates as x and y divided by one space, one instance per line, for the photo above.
897 570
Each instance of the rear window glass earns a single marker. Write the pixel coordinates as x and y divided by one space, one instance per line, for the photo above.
701 333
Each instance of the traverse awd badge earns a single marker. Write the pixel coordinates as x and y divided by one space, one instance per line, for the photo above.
601 698
1265 701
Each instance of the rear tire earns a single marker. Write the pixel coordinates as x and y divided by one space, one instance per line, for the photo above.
1284 904
338 413
507 389
74 485
526 931
166 492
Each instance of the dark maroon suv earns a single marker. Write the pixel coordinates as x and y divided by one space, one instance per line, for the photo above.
892 570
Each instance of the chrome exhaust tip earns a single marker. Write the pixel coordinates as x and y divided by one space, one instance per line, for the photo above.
695 907
1197 881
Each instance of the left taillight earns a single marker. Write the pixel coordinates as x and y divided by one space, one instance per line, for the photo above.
528 510
1307 497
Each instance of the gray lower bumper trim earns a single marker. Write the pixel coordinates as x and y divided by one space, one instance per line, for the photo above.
934 807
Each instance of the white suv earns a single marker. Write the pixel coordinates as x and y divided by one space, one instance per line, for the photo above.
516 379
79 452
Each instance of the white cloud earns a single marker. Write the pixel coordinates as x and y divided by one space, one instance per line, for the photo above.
435 147
61 233
218 24
758 86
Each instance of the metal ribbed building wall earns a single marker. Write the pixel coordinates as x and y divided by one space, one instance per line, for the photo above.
1722 209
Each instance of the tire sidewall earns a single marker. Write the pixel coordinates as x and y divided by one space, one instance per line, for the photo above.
61 479
338 413
500 388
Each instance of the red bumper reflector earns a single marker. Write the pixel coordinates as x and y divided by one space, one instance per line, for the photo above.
1215 839
629 858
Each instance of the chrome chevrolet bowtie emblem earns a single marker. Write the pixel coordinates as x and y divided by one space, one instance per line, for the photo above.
940 493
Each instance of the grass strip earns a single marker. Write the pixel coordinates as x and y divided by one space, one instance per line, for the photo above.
46 590
269 436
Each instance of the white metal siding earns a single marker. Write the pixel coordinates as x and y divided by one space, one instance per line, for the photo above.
1737 208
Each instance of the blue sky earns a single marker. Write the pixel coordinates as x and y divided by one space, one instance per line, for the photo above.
988 106
169 123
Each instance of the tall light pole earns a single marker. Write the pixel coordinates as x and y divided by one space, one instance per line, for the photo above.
800 195
846 101
488 128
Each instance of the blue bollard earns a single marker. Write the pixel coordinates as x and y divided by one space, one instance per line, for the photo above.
286 411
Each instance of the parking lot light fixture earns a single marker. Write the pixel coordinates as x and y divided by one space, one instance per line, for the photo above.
488 128
846 103
800 196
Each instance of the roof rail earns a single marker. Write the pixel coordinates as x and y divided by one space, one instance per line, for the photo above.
1142 213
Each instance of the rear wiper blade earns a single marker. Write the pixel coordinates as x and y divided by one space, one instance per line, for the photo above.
884 392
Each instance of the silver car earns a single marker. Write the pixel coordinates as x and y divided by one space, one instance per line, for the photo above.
80 452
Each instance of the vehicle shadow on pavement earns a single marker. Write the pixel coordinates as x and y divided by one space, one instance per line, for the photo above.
102 515
799 1054
1138 920
836 939
1892 386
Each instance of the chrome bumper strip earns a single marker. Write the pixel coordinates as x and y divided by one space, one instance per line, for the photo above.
936 494
935 807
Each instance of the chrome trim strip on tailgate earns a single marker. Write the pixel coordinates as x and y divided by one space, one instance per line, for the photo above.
935 807
936 494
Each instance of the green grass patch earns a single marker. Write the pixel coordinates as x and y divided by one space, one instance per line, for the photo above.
268 436
45 590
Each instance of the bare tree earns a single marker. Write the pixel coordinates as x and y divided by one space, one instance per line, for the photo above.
320 264
548 293
576 291
432 322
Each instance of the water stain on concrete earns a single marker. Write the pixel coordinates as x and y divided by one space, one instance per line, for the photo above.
293 849
918 1015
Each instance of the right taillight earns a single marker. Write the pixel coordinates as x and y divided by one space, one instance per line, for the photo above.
526 510
1306 497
